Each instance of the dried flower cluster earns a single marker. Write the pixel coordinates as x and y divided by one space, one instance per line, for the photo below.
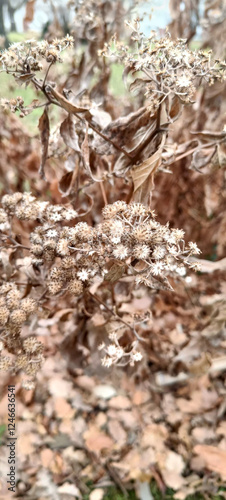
168 66
129 242
116 354
14 312
28 55
129 236
26 207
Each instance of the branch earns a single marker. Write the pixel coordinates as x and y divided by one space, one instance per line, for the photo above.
95 297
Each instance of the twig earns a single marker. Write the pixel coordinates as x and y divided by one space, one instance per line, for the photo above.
95 297
113 474
16 244
45 78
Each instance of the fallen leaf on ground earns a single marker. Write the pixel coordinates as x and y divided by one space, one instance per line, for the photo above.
214 458
96 494
97 440
70 490
120 403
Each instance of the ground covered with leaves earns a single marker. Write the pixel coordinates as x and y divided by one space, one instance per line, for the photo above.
112 293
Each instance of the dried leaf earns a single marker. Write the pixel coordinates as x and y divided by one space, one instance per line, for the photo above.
63 409
44 131
172 470
85 156
104 391
117 432
20 79
85 382
115 273
221 151
59 386
67 105
175 108
200 159
120 403
208 135
96 494
143 175
68 133
65 183
218 365
215 458
69 490
137 84
96 440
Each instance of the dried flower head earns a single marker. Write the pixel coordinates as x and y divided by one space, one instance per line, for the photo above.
75 287
4 314
18 316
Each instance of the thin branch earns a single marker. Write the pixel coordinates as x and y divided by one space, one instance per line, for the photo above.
47 72
95 297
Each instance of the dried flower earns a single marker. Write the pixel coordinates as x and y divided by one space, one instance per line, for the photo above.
120 252
18 316
4 314
75 287
141 251
83 275
193 248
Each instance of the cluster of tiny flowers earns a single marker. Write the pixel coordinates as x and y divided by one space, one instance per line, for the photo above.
168 65
150 250
24 56
128 235
15 104
128 242
115 353
26 207
26 354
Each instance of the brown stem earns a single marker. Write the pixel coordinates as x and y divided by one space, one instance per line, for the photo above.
45 78
95 297
187 153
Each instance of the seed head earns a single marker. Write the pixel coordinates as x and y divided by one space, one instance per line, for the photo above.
55 287
27 212
141 251
136 209
4 314
142 233
158 252
75 287
13 299
62 248
37 250
36 239
5 363
121 252
32 345
68 262
49 245
110 211
2 301
28 305
18 316
9 201
56 274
